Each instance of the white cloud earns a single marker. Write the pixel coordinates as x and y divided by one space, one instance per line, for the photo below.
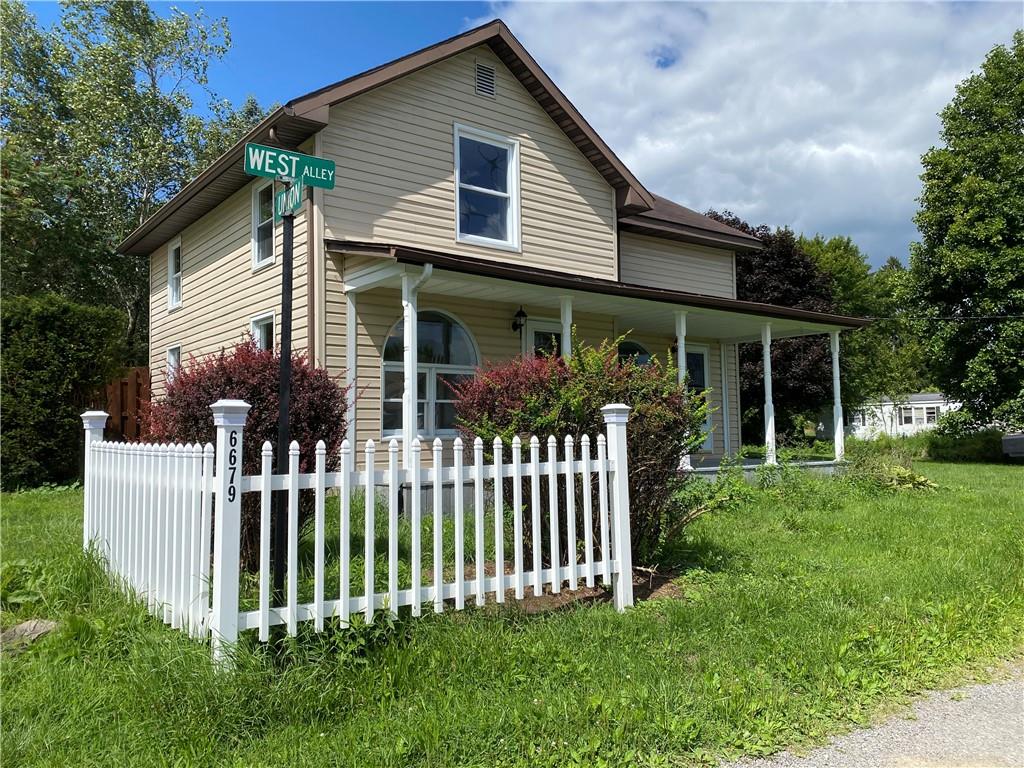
809 115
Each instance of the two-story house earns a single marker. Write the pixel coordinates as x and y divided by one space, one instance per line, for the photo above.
477 214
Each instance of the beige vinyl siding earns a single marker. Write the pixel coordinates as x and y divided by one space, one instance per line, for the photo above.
394 149
676 266
220 293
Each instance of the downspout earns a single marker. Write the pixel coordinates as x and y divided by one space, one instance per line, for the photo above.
410 357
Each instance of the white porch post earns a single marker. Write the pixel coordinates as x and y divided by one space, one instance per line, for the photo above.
681 345
351 372
837 404
769 409
566 302
410 396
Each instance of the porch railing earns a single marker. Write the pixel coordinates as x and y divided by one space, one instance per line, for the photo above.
167 520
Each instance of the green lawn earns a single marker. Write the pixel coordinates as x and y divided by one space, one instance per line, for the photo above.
803 610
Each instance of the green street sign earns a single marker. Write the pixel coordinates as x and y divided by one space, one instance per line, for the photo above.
277 163
289 200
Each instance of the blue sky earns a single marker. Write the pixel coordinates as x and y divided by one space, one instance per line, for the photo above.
807 115
320 42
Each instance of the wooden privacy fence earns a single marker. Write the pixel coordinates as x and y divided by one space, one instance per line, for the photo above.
167 518
125 398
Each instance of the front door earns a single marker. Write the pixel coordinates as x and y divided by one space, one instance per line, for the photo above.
697 378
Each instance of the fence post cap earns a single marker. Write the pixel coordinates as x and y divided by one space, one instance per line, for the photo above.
229 413
616 413
95 419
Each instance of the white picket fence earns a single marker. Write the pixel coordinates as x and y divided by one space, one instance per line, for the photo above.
158 512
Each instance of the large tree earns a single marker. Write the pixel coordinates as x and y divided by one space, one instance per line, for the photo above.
99 129
885 359
968 269
781 273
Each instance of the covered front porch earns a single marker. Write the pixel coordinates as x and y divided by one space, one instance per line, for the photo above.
496 311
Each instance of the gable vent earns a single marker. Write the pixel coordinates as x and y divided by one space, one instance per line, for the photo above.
485 79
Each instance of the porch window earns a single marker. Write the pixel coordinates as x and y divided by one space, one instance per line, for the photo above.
631 350
931 414
263 225
907 415
487 194
447 356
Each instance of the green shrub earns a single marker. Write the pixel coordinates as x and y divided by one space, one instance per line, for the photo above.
983 445
317 412
56 356
548 396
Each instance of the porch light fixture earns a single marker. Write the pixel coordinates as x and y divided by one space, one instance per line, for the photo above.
519 321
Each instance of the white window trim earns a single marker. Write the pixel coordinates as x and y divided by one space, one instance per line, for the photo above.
534 324
169 374
430 370
272 316
512 145
709 443
254 226
171 303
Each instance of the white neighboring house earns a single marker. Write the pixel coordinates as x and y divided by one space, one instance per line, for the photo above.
918 413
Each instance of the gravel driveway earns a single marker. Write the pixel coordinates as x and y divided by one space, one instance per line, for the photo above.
977 726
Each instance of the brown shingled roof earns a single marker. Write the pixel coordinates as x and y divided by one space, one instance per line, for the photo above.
677 222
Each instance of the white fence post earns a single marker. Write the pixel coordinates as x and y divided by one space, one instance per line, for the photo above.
229 419
615 418
93 423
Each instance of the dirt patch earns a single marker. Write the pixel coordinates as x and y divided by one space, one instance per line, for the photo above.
647 585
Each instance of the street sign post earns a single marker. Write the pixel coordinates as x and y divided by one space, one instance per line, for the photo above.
288 200
297 171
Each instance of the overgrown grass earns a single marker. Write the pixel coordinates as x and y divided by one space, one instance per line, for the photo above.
806 606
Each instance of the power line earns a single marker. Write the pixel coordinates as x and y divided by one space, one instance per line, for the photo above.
948 317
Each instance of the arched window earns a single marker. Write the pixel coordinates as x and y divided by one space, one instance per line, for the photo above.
631 350
447 355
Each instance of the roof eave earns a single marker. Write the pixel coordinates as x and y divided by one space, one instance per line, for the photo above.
694 235
139 241
551 278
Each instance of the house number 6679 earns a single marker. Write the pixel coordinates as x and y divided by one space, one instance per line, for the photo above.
232 465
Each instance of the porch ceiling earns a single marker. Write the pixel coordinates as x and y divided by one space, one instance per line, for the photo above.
636 308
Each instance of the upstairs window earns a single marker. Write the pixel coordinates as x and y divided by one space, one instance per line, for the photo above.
262 327
263 225
487 195
174 274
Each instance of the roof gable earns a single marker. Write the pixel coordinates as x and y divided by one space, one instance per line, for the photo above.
304 116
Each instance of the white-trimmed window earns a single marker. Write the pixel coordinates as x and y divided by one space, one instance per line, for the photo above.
174 274
931 414
173 362
487 188
447 356
262 328
263 225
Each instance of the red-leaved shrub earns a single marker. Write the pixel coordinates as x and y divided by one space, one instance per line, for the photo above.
549 396
248 373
